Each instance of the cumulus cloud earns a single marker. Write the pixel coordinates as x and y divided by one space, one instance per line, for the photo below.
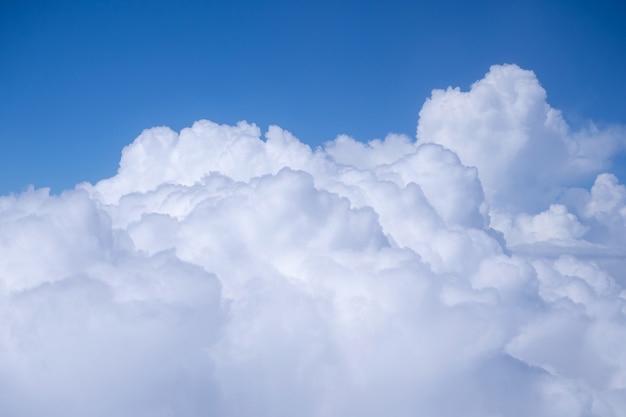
523 148
226 272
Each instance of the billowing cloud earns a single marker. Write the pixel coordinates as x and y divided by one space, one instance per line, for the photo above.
222 272
523 148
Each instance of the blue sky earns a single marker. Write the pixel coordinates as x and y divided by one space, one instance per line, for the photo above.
80 80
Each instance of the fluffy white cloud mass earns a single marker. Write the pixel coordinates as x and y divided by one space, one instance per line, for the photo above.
226 273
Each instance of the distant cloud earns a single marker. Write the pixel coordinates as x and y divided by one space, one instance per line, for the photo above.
223 273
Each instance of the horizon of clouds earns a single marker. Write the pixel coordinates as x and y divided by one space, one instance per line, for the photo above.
471 270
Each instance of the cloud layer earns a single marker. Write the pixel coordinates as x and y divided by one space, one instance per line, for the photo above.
225 273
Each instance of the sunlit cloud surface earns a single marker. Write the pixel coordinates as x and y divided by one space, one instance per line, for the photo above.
222 271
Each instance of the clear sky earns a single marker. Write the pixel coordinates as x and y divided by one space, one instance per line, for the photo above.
81 79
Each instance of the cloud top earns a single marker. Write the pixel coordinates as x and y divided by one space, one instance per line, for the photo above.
226 272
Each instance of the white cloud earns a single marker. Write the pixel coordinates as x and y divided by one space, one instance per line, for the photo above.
223 273
523 149
607 202
555 224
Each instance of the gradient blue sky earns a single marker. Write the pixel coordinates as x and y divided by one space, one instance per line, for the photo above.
81 79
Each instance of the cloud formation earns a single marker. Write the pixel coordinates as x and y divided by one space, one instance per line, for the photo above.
225 273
